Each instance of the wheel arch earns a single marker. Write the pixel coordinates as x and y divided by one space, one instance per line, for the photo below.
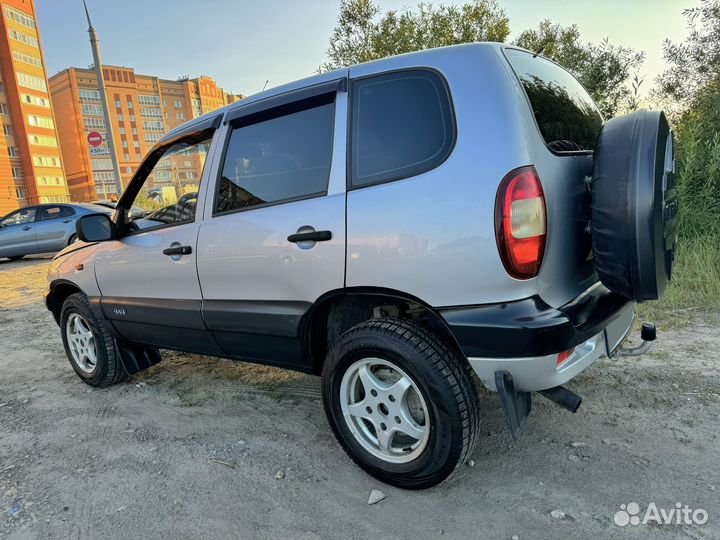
60 289
339 310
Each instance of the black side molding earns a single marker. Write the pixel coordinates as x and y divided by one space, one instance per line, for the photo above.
531 327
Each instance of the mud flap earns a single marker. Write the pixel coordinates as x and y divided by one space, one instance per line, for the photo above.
516 405
136 358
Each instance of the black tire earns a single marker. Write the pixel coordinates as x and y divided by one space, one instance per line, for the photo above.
444 381
635 205
15 257
72 239
108 367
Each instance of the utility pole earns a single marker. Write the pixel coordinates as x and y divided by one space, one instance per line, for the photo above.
110 135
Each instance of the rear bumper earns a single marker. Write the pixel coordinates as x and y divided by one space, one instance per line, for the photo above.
524 337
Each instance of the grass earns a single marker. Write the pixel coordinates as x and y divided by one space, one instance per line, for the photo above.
695 287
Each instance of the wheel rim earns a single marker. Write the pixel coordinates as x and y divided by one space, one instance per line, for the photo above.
81 343
385 410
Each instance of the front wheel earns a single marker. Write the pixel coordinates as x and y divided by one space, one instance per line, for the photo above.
400 402
88 344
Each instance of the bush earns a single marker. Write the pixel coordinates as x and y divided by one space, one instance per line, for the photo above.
695 286
698 164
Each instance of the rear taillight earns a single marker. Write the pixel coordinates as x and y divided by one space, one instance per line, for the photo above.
520 222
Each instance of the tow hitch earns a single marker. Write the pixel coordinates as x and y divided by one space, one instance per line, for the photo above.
647 334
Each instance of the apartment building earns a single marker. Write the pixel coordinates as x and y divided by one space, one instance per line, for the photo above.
142 109
31 168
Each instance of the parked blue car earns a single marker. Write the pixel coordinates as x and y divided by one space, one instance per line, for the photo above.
42 228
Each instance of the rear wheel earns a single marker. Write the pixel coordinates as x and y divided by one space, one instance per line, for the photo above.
88 344
400 402
73 238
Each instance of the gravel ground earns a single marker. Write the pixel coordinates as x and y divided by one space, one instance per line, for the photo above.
192 448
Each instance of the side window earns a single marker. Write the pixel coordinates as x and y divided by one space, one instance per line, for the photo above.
19 217
278 156
170 191
55 212
402 125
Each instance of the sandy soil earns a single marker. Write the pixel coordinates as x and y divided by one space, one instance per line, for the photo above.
191 448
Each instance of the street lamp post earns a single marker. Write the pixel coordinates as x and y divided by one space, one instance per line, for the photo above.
110 136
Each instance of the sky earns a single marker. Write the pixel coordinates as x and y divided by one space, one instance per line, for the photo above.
242 44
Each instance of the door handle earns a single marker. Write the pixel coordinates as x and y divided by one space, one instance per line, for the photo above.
177 250
312 236
67 220
26 228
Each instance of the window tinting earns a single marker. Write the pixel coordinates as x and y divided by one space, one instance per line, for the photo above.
402 126
278 159
567 117
55 212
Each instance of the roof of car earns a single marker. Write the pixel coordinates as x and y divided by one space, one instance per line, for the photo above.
320 78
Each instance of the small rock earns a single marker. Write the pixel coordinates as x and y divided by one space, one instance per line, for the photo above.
13 512
577 444
279 475
675 385
515 537
541 483
712 488
573 457
471 463
376 496
606 441
65 508
557 514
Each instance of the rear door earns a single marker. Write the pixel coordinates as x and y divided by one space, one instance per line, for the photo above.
273 239
54 226
17 233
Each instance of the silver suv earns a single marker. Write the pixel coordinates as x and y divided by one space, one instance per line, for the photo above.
394 227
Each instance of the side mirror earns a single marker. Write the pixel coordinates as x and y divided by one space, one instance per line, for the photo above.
94 228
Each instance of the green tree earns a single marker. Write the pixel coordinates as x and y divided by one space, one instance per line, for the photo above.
604 69
694 62
362 34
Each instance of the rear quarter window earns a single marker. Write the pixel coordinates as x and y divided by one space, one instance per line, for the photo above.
568 119
402 125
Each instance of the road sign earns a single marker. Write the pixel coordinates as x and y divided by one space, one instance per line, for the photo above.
94 138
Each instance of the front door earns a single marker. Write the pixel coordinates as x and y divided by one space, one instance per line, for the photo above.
273 240
148 277
17 233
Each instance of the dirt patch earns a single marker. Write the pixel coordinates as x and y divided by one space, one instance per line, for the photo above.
191 448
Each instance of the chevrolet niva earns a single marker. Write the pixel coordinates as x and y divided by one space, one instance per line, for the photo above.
399 227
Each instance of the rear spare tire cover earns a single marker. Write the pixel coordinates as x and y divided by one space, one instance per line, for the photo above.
634 205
